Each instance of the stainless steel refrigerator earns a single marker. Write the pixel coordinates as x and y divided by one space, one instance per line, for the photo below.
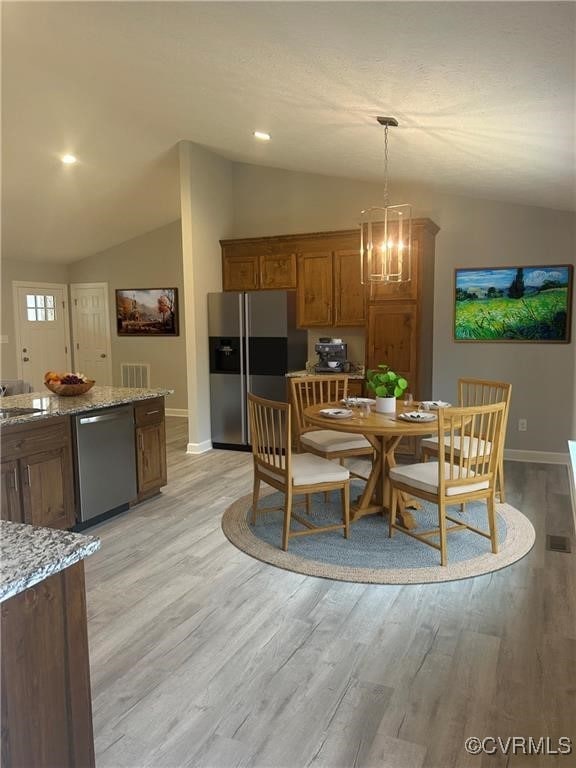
254 342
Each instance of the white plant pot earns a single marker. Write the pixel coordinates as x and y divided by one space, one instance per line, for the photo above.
386 405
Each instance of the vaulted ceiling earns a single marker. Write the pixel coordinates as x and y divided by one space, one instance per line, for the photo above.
484 93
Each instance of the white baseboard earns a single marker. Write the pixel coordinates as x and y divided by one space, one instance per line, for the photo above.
180 412
538 457
203 447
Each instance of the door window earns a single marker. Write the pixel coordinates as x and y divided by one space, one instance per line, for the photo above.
40 307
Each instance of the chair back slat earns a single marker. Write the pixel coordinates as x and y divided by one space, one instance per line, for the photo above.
311 390
270 433
480 442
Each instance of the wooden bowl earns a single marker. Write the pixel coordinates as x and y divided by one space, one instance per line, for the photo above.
69 390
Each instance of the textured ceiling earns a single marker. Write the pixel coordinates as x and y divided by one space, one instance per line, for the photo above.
484 92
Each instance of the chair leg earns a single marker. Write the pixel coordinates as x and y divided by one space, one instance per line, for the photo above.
500 479
287 517
255 493
442 526
308 497
492 523
345 493
392 512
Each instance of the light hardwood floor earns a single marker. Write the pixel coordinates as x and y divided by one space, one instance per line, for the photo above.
204 657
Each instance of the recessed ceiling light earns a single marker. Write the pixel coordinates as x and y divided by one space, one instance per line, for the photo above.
69 159
261 135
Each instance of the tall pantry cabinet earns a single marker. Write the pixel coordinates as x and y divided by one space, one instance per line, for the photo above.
399 328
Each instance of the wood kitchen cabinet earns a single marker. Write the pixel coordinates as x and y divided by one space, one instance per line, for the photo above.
314 295
45 675
330 292
258 264
401 316
150 447
37 474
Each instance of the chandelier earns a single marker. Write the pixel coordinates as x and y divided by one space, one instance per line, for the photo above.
386 233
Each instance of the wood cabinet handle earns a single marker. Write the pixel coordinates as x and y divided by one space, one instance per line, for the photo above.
141 442
149 413
29 475
15 472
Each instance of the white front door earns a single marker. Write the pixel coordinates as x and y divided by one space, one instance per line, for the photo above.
91 331
42 330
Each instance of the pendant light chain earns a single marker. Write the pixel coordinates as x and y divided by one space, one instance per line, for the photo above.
385 166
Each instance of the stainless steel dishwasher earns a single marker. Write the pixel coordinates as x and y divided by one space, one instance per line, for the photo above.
106 460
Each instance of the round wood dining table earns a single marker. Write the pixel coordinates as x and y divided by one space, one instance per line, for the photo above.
384 431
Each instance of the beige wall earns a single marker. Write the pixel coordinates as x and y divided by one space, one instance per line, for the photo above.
153 260
206 204
25 271
473 232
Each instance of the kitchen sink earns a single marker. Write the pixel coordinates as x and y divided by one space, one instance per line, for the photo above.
5 413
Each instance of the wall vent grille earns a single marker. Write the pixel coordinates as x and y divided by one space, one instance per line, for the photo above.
135 374
558 543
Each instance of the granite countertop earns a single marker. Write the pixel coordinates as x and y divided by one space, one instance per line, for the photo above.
55 405
29 554
351 375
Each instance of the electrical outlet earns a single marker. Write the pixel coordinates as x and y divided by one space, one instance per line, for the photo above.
522 425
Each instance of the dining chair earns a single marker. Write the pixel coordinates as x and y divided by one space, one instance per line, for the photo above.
327 443
463 475
304 473
475 392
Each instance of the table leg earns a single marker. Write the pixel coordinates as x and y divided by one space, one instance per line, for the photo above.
377 492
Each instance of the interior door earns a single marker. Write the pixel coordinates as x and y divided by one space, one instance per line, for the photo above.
42 330
91 331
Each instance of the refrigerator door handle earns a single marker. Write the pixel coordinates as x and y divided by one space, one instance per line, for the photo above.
243 346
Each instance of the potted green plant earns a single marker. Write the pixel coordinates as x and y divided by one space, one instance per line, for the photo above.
387 386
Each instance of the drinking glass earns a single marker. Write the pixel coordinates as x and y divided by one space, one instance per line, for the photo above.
364 410
408 399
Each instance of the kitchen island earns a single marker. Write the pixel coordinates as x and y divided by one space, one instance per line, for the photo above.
45 674
44 479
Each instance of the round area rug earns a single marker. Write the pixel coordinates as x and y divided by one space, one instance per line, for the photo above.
369 556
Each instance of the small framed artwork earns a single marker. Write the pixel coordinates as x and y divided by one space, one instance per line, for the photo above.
147 312
526 304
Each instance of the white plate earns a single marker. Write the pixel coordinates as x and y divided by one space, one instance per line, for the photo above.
436 404
416 416
336 413
358 401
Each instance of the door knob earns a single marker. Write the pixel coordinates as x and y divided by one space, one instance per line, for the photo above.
102 355
25 359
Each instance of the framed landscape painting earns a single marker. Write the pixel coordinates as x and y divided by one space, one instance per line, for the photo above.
147 312
513 304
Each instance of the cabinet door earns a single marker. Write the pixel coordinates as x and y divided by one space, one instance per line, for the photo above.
348 290
408 290
151 457
392 339
278 271
11 503
355 387
240 273
314 292
47 489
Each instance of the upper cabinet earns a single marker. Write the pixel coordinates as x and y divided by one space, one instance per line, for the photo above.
323 267
257 264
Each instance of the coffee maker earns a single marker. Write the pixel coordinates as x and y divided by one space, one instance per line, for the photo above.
332 356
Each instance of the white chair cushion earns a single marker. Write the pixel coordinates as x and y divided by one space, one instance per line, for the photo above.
424 476
308 469
330 440
460 443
